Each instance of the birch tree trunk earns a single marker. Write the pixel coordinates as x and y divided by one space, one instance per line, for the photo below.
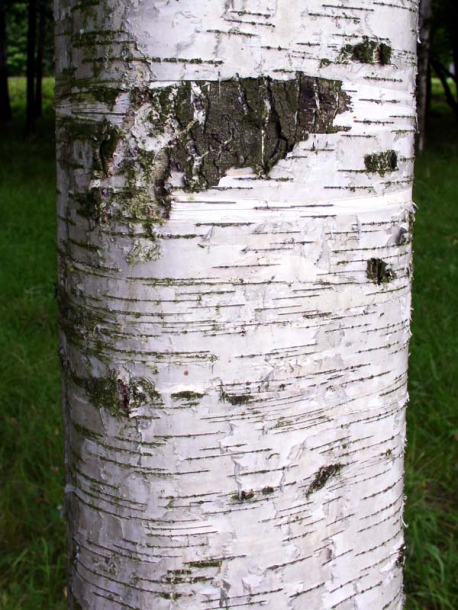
234 288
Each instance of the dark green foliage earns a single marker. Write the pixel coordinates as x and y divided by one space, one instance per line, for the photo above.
17 37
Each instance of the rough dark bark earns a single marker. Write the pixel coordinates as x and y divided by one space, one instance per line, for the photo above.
245 123
5 105
234 114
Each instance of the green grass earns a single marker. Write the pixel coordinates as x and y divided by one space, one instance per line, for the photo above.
32 530
432 453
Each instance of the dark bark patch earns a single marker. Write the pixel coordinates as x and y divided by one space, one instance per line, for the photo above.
243 496
102 137
367 52
267 490
207 127
107 148
171 596
206 563
120 397
401 558
381 163
247 122
322 477
236 399
187 396
90 203
379 271
105 94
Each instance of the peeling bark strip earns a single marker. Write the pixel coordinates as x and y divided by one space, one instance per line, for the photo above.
234 293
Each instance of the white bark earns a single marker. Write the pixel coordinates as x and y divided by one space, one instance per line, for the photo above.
235 349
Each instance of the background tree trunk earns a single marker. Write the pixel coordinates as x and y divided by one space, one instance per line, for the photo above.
424 72
5 106
234 287
31 66
42 14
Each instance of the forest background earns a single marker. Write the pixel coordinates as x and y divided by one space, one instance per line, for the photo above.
32 524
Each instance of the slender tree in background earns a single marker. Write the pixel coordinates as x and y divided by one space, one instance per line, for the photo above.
31 65
424 71
444 49
41 38
234 287
5 105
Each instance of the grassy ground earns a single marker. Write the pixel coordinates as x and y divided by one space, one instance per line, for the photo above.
32 530
432 452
